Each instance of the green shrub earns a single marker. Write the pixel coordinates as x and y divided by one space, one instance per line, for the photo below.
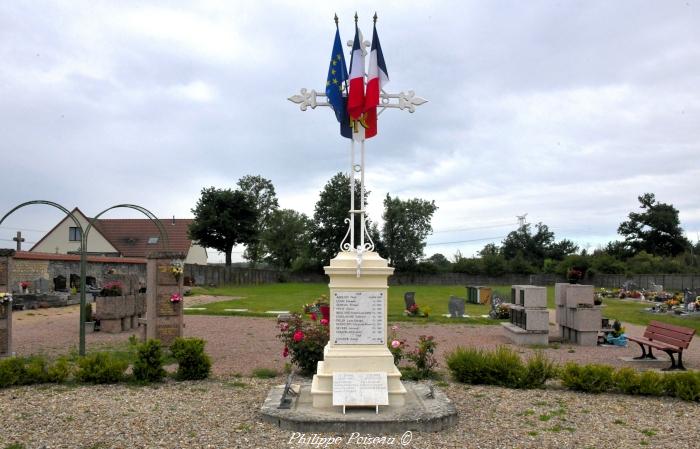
504 367
626 380
59 371
148 366
35 370
651 383
685 386
592 378
193 362
467 365
101 368
422 357
11 371
538 370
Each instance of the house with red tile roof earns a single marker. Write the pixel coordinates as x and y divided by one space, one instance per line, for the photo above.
121 237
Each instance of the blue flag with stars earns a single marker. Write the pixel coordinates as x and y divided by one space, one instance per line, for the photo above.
336 86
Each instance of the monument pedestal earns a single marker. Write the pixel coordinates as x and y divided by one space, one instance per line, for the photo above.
358 326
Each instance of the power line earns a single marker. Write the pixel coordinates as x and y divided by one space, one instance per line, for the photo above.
466 241
474 228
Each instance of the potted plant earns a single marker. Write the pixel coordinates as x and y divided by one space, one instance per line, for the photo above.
24 287
113 288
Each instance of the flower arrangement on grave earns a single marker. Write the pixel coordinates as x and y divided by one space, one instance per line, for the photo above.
500 311
618 328
574 275
415 310
304 341
5 297
617 336
396 345
176 268
112 288
319 306
175 298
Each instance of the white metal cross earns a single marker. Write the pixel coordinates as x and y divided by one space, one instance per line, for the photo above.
402 101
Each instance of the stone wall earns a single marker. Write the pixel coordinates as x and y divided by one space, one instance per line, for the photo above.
6 307
40 273
164 319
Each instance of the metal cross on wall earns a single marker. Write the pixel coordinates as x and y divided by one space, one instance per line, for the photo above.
403 101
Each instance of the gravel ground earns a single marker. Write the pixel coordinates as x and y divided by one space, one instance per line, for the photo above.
241 344
224 413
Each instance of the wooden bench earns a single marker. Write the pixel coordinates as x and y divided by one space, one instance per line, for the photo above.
666 337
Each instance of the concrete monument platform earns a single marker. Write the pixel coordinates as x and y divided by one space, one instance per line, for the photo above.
420 412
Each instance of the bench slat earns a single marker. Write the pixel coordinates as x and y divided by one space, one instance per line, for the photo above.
673 327
665 338
655 333
655 344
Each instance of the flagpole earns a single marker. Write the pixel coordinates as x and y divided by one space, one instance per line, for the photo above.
362 190
352 193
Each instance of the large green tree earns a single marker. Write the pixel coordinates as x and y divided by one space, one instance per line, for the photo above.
329 226
223 218
656 230
261 193
535 247
406 225
286 237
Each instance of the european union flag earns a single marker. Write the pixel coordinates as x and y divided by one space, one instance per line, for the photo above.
336 86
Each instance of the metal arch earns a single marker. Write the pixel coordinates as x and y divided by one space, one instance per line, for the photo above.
161 229
83 261
48 203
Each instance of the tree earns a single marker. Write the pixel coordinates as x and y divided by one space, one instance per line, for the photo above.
440 261
406 225
261 193
223 218
329 226
537 247
286 237
657 230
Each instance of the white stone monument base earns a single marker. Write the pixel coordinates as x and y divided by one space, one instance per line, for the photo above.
359 358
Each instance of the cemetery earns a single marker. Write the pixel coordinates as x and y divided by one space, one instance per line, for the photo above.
329 330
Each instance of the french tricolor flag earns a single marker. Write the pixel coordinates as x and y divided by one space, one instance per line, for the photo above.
377 77
356 96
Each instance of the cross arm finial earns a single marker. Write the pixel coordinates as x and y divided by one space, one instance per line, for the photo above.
375 17
336 19
355 17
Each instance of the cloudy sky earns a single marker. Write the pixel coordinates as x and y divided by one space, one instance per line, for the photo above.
564 110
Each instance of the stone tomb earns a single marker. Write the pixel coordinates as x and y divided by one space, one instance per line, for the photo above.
529 318
578 319
164 319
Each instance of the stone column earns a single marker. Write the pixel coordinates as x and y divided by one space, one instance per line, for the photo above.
164 319
357 344
6 307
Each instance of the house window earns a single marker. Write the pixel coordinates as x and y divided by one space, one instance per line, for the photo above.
74 234
152 240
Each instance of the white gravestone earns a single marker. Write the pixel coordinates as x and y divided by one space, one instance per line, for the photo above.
358 318
360 389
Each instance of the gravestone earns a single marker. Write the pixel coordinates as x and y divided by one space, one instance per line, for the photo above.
409 299
5 307
164 319
456 307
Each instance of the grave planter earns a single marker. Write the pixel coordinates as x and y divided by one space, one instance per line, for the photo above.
89 327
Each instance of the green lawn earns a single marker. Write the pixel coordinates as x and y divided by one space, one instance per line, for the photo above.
292 296
633 312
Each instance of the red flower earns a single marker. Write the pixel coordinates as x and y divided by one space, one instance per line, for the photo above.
298 336
285 353
284 327
313 316
324 321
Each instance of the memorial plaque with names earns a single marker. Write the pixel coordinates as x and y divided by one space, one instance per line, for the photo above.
164 274
358 318
167 307
166 333
360 389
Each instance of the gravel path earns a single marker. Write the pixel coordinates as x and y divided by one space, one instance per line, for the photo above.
241 344
224 413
